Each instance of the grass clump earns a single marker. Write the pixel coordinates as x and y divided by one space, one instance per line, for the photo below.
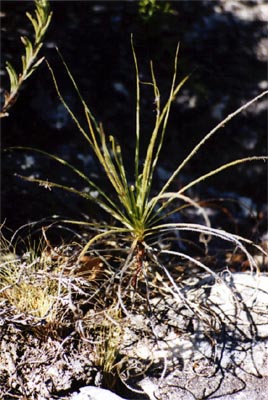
25 283
138 214
108 332
139 217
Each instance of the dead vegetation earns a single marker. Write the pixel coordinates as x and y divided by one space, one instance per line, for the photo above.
109 319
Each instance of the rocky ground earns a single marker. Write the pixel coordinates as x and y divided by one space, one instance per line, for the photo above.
216 349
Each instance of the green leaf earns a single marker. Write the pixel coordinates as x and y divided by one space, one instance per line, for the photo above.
39 18
34 23
38 62
23 61
13 77
28 48
33 67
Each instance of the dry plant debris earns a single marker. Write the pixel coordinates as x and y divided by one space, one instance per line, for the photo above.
175 323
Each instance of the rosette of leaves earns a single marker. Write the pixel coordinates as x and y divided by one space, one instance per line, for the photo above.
137 213
30 61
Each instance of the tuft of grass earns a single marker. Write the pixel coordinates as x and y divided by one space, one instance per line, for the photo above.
109 337
30 61
139 218
25 284
137 214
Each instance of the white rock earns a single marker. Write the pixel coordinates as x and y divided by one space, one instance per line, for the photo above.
149 388
94 393
252 294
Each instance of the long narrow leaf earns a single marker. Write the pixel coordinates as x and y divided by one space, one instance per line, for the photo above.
71 113
171 197
221 168
102 235
200 179
137 146
78 91
108 203
208 136
151 158
49 184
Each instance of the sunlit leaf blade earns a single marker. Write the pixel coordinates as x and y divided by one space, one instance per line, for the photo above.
34 66
13 77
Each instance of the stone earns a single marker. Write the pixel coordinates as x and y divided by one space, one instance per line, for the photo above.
95 393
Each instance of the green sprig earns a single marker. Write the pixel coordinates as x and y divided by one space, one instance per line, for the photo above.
30 60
